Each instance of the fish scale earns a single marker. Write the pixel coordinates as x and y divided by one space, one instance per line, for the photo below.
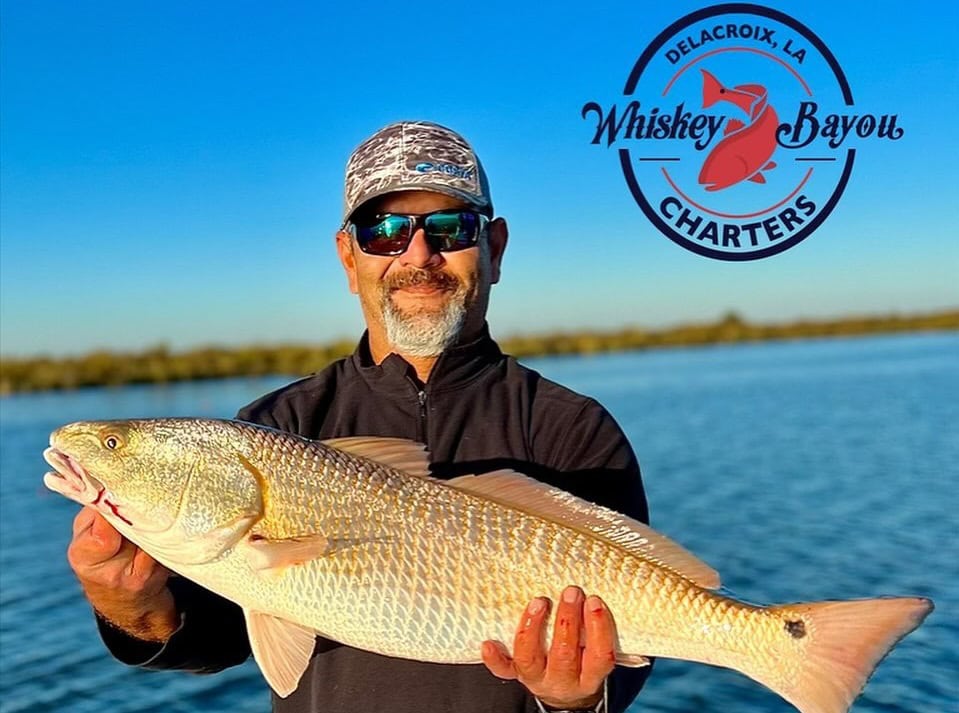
352 540
524 558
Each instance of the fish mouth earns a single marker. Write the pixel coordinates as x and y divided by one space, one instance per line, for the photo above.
75 482
70 479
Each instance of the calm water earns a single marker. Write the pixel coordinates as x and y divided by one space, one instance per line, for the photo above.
808 470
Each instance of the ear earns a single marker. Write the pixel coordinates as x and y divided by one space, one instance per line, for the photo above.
344 248
498 235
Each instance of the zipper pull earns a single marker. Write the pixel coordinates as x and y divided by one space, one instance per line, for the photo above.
421 397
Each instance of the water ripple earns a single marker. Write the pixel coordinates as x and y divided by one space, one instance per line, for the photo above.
808 470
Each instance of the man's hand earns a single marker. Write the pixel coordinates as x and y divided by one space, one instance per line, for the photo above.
570 675
123 583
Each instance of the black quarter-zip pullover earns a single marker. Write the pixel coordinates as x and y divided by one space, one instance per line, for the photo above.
480 411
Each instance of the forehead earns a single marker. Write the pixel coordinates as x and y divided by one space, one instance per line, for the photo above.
411 202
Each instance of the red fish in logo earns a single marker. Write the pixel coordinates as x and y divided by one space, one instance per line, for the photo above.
745 149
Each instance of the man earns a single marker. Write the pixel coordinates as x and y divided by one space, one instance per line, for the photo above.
421 249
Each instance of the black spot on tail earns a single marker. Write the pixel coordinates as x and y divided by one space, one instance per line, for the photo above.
796 629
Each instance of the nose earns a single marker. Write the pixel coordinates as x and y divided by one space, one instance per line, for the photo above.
419 253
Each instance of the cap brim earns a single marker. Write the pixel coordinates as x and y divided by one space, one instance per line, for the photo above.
469 198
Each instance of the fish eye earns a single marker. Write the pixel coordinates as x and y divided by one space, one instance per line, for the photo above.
111 441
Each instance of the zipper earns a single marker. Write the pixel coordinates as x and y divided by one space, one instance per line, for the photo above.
421 397
420 391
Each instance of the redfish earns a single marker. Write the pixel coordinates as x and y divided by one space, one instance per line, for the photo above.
745 149
352 539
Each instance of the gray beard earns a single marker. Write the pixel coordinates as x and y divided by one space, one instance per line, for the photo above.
425 334
428 334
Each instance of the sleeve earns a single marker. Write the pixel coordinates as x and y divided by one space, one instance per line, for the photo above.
211 636
212 633
595 461
281 410
593 458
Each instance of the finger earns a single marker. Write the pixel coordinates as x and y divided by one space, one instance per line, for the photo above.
83 520
91 551
563 664
144 568
103 532
497 660
599 656
529 647
93 547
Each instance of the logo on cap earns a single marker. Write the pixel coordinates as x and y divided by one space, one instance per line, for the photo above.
447 168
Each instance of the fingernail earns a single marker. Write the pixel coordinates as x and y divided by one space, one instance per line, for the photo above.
594 603
536 606
571 595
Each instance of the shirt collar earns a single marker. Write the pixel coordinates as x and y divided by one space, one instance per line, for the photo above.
455 367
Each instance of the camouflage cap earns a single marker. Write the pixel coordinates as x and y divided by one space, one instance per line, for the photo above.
415 155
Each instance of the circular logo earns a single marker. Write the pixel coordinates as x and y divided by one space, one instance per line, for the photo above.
738 133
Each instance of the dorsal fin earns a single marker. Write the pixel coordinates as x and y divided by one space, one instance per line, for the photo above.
397 453
520 492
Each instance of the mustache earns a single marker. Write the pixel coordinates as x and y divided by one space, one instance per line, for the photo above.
417 277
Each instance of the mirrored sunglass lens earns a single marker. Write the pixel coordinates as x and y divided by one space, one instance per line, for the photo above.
452 231
390 235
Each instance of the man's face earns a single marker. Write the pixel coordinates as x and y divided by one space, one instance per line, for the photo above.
420 301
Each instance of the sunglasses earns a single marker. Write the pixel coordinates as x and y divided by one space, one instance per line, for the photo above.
446 231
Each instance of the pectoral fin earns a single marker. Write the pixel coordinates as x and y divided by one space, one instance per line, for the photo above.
263 553
756 178
281 648
267 554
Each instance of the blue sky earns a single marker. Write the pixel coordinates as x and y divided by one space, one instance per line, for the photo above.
172 172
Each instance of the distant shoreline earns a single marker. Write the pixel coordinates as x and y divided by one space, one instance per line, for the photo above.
159 365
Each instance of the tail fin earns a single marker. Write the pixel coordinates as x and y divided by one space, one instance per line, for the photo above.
847 640
712 89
